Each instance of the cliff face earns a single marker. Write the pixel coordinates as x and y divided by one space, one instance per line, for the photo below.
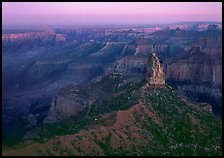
154 74
37 64
211 46
128 64
146 48
70 102
197 75
65 105
18 42
45 35
74 99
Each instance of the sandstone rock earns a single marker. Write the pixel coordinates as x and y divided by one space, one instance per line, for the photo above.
154 74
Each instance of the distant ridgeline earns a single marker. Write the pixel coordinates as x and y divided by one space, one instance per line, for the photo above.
67 82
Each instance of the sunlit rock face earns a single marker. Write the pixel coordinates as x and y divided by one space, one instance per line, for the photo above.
154 74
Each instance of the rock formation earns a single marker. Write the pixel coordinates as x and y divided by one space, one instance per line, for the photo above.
37 64
128 64
154 74
14 43
197 75
156 120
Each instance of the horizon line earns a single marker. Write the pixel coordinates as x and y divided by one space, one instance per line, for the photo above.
116 24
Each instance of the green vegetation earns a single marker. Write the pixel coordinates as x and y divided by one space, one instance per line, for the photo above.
105 145
175 128
128 98
184 129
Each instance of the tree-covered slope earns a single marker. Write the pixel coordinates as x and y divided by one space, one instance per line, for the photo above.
137 119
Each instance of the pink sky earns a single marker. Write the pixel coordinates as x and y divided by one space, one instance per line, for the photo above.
81 13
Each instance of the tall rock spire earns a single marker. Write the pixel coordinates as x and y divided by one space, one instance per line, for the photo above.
154 74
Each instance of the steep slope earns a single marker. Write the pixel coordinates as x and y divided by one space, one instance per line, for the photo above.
160 123
34 73
198 76
74 99
14 43
131 116
154 74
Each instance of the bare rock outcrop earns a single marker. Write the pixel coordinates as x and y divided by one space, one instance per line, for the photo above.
154 74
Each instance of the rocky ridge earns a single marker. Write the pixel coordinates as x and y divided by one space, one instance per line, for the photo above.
145 127
154 74
37 71
72 100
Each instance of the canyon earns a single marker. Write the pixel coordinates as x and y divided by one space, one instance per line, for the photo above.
135 116
52 77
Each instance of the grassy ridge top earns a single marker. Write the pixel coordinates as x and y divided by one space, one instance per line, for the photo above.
136 120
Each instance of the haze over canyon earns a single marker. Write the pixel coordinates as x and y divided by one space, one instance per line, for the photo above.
112 85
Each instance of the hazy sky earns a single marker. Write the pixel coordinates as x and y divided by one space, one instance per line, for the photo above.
84 13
